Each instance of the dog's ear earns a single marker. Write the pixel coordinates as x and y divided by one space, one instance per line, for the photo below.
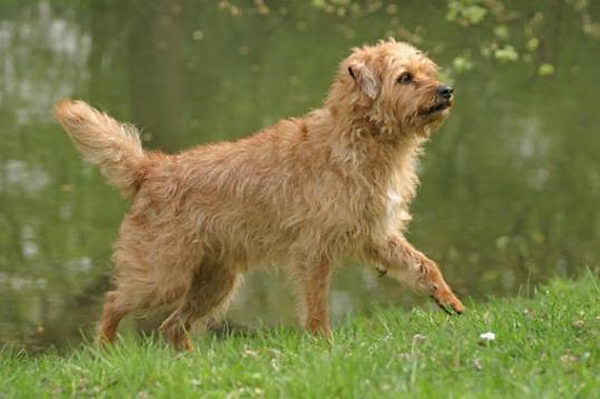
367 80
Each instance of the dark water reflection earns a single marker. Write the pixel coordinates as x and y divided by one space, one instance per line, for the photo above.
511 184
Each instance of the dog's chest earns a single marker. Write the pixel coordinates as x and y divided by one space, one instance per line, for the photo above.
397 195
395 204
393 201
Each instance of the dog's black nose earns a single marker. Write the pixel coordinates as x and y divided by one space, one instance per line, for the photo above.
445 91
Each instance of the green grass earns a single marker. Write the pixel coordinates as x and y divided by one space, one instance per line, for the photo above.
546 346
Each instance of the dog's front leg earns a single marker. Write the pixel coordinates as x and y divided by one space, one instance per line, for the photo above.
404 262
313 279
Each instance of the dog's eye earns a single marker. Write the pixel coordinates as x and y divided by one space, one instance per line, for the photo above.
405 78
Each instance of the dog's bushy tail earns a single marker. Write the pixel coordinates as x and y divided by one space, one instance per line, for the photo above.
115 147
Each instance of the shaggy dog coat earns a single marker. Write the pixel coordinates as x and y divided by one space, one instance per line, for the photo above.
304 193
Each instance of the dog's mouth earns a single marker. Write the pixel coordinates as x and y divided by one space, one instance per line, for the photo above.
436 108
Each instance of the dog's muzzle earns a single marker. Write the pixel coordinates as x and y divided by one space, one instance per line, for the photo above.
445 94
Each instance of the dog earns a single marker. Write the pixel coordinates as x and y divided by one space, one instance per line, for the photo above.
305 193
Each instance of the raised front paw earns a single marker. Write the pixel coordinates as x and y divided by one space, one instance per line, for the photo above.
448 302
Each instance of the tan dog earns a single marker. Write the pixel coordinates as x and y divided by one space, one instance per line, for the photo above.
304 193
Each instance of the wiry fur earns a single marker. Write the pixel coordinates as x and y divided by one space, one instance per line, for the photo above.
115 147
304 193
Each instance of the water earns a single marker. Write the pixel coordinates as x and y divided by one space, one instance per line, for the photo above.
511 184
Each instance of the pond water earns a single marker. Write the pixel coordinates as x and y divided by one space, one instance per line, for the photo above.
510 185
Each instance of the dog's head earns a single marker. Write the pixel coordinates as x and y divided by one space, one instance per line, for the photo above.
394 85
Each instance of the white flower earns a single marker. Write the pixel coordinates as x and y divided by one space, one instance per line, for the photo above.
487 336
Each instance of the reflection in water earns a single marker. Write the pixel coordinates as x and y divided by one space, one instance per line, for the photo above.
510 184
36 47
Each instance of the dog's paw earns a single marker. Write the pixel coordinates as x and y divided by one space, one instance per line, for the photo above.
449 303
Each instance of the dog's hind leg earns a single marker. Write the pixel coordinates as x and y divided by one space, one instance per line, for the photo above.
114 310
153 267
210 290
138 289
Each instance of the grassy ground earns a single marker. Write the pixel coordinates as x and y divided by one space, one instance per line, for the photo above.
547 346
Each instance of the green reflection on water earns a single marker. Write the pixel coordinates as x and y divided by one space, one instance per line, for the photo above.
510 185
